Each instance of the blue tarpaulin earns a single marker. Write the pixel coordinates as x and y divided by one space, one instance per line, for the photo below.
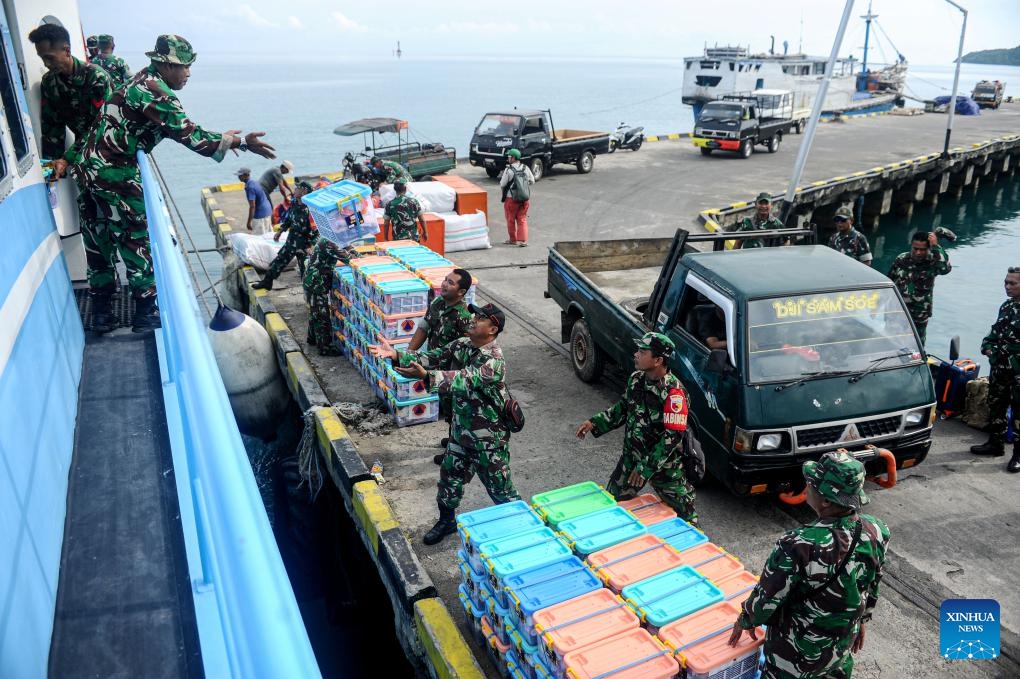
965 106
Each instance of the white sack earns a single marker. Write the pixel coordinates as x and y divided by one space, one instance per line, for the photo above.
466 232
257 251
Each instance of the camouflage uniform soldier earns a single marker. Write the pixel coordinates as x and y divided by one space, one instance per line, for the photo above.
404 216
820 584
760 221
92 47
73 93
318 282
849 240
118 69
914 274
136 118
300 236
389 171
1002 347
446 320
471 370
654 410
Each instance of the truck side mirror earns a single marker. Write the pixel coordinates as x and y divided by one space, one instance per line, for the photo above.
954 348
719 361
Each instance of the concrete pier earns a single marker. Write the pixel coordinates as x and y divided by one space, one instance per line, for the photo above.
953 518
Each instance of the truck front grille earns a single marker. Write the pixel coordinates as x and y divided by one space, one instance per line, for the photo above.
849 433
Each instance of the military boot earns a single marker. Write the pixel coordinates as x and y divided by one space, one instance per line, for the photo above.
146 315
265 284
102 313
447 525
994 446
1014 462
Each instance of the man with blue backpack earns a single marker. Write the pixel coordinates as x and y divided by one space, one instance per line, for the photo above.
516 182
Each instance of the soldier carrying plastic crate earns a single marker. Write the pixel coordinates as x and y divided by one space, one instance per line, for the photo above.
471 370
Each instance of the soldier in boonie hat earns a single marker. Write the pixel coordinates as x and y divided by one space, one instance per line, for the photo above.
657 343
172 49
839 478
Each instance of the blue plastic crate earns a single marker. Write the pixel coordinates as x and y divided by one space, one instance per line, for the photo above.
591 532
678 534
546 586
518 553
339 212
669 596
490 523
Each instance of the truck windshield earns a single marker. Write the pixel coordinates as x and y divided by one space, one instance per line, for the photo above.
720 112
835 332
498 125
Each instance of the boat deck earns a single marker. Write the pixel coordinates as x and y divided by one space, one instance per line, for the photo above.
650 194
124 606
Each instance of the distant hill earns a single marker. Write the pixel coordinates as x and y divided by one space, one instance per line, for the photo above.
1003 57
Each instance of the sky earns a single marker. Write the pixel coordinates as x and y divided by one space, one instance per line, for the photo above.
925 31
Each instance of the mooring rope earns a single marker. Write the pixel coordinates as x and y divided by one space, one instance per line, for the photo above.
309 465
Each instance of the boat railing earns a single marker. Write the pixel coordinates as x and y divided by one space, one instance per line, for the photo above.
248 620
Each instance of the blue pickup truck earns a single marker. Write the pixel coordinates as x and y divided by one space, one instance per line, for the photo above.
814 351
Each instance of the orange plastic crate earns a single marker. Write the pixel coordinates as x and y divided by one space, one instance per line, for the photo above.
701 643
648 509
580 622
642 654
633 561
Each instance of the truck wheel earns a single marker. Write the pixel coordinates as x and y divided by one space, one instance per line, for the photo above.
493 172
774 143
798 126
746 148
588 359
706 151
537 168
586 162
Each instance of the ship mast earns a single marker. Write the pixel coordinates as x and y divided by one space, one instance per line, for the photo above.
867 35
397 51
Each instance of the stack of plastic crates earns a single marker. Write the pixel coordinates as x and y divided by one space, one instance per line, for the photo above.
576 585
343 211
364 295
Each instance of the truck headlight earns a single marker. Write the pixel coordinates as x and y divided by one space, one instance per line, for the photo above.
474 148
767 442
916 418
742 441
699 132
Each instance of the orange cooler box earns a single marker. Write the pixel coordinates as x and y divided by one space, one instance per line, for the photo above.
701 643
720 568
633 561
630 655
737 584
702 554
579 622
648 509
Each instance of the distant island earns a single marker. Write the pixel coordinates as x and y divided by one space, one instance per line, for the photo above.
1003 57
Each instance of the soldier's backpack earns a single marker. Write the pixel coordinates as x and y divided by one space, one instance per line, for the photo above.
520 189
975 410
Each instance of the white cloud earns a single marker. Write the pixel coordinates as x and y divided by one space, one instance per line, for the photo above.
294 23
489 27
344 23
252 17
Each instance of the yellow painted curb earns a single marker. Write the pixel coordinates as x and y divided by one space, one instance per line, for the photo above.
448 652
328 429
274 326
372 511
233 186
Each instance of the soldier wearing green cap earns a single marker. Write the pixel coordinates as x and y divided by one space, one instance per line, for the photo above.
92 47
300 237
119 71
761 220
653 411
847 239
819 586
137 117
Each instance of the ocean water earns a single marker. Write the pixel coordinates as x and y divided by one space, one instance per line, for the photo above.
298 104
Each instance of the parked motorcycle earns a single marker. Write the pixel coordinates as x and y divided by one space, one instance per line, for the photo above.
626 137
358 169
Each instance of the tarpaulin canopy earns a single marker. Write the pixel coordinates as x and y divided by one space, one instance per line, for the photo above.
371 125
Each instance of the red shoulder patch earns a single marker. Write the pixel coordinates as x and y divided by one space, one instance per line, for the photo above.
674 410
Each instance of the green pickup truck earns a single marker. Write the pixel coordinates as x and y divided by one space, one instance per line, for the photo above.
819 350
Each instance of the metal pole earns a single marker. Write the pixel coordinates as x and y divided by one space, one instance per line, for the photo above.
816 110
956 80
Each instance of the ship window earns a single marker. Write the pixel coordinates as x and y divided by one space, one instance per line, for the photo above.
13 105
707 80
731 65
9 100
689 65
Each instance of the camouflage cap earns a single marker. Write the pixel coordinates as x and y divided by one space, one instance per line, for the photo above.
763 197
305 185
657 343
172 49
844 212
104 39
839 478
92 42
